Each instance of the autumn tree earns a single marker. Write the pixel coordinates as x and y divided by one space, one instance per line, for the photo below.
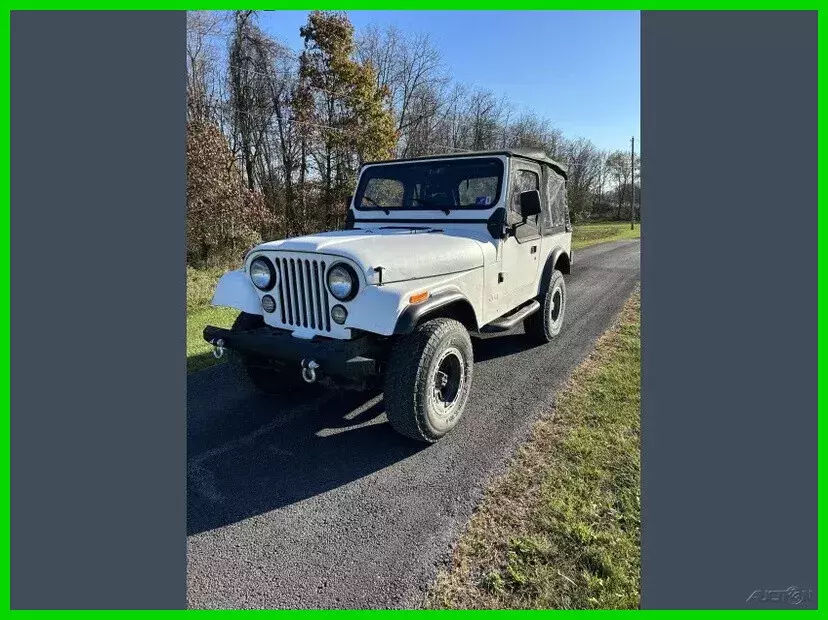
224 217
345 114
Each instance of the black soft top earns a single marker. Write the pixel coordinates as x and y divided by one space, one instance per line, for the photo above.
538 155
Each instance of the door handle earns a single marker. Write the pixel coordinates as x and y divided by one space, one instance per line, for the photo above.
533 249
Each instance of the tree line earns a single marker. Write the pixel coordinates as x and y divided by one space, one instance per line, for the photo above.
275 137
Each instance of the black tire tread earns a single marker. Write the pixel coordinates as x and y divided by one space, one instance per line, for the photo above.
404 376
537 325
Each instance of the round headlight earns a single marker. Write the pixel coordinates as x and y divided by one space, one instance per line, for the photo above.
342 282
262 273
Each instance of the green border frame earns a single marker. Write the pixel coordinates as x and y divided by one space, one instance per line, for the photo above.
5 242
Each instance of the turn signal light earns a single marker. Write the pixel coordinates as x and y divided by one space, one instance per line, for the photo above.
417 298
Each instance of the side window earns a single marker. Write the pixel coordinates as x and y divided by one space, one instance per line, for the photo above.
556 199
525 180
383 193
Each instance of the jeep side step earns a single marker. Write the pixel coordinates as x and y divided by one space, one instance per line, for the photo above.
505 323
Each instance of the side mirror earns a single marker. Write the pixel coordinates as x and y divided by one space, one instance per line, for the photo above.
348 202
530 203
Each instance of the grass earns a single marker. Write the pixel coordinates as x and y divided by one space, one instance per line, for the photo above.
561 529
584 235
201 284
199 353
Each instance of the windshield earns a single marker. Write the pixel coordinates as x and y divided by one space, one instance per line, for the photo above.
446 184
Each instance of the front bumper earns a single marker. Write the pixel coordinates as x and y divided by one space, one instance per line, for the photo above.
350 359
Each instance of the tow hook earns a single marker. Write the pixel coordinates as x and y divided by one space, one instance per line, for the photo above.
218 348
309 370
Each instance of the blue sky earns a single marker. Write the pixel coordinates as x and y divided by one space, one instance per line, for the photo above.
580 69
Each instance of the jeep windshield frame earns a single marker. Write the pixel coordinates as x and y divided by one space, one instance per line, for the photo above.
461 183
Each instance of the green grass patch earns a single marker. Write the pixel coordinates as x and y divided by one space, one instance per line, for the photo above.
199 352
561 529
201 283
584 235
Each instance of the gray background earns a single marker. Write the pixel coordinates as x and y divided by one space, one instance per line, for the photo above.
729 308
728 258
98 359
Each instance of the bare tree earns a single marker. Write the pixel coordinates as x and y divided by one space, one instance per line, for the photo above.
533 131
379 48
421 137
601 172
410 68
288 136
203 76
450 127
618 164
484 112
582 157
250 59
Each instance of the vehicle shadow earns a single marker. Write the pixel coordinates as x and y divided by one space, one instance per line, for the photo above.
200 361
295 451
501 345
250 454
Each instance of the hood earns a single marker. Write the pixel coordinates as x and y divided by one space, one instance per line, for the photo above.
404 253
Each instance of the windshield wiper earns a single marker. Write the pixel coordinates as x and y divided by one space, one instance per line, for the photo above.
427 203
376 204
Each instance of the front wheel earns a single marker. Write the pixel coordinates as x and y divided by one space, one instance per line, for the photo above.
428 380
546 323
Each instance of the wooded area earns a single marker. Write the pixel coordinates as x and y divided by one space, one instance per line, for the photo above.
275 137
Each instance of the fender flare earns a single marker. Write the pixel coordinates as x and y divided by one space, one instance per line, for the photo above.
550 266
235 290
413 313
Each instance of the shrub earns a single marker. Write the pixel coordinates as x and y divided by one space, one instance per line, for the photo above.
224 217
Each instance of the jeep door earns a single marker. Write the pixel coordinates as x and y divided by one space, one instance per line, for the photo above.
521 248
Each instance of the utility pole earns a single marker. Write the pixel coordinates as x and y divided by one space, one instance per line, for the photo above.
632 183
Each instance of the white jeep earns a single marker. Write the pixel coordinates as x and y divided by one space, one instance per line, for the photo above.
435 249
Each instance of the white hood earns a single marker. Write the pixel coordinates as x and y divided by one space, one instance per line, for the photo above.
405 254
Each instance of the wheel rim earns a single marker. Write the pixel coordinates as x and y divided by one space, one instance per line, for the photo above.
447 381
557 305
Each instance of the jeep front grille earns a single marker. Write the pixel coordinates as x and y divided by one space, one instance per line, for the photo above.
303 296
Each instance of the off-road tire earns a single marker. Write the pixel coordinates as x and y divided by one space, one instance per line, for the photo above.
546 323
412 405
250 368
